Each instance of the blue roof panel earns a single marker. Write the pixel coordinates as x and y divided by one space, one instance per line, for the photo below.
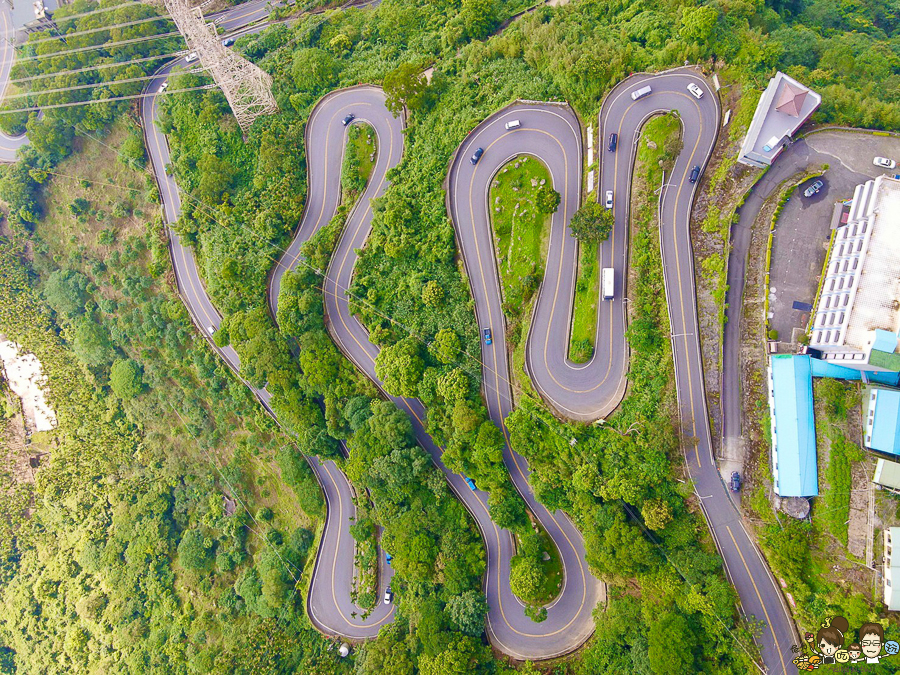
795 426
885 341
822 368
886 425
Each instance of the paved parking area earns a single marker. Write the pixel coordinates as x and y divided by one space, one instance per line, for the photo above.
804 226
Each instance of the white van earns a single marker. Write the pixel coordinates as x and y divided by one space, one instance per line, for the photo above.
609 283
513 124
640 93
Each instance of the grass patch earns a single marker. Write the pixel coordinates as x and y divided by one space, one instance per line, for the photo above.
359 160
584 315
521 234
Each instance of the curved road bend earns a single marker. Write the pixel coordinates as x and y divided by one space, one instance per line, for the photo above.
569 621
8 144
759 594
328 601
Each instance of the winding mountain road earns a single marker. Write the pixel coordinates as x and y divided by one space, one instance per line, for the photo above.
583 392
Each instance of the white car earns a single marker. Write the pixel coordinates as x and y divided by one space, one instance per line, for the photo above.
609 199
696 91
388 595
884 162
211 329
191 57
164 85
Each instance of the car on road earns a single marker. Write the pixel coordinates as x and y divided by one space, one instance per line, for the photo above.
388 558
695 174
227 42
696 91
884 162
640 93
613 141
164 85
191 57
609 283
609 199
388 595
512 124
349 118
813 189
488 337
211 330
735 482
477 155
470 483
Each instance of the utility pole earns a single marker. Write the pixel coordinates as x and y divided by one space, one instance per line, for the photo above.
247 87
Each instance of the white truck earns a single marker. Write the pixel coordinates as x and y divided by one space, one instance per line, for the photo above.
609 283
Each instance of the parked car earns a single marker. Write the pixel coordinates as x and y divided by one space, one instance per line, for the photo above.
735 482
488 338
470 483
813 189
191 57
613 141
884 162
349 118
388 595
227 42
609 199
696 91
695 174
477 155
512 124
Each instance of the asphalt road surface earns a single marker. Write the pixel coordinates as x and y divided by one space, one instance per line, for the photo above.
569 620
759 594
8 144
329 603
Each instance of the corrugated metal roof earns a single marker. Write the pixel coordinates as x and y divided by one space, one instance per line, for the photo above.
887 473
794 440
886 422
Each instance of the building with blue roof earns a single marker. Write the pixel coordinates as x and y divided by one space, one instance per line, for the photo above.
793 426
882 419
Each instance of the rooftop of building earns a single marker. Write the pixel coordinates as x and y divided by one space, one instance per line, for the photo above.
783 107
794 426
859 306
887 473
882 415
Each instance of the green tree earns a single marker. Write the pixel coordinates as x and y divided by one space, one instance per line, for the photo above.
314 70
467 612
526 577
656 513
479 17
66 292
400 367
547 199
697 23
592 223
432 294
453 386
193 551
91 343
671 645
126 378
463 655
446 346
404 86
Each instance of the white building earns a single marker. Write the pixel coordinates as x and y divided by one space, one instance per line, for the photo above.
857 316
784 106
891 570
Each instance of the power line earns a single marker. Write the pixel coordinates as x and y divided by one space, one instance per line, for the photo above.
106 83
99 66
60 19
63 52
105 100
66 36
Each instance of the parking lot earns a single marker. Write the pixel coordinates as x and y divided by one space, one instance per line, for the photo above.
804 226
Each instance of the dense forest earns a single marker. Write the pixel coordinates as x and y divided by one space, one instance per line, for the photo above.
128 562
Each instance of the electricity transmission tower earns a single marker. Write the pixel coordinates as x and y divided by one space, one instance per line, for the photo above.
247 87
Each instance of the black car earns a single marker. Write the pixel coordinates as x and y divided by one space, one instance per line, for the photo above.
695 174
735 482
613 140
478 153
349 118
813 189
